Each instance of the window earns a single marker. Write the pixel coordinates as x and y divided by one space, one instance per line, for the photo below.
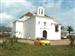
44 23
56 28
51 24
41 11
38 22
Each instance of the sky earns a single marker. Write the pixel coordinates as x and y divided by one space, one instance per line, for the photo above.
63 11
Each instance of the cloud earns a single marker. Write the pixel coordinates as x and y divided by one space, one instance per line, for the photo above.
6 19
53 7
70 17
12 2
16 6
62 15
12 9
66 18
68 4
61 10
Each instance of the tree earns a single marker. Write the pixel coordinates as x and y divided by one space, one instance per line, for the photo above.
5 29
71 37
62 27
69 29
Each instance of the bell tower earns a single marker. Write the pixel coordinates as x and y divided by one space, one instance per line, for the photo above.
40 11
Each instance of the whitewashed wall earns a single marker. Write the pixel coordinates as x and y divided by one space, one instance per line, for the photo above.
29 28
13 29
50 28
19 29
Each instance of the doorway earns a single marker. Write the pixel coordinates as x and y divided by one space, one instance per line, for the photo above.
45 34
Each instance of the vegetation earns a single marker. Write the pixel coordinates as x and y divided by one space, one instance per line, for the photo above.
5 29
71 37
22 49
69 29
10 47
8 41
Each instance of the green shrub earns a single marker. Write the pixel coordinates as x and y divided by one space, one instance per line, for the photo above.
71 38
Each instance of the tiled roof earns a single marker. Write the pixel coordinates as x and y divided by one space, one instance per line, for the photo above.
27 14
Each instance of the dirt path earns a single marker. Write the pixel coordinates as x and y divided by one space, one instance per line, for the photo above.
27 41
53 42
60 42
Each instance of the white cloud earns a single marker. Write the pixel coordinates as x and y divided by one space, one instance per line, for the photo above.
54 8
16 7
52 4
12 2
20 7
67 18
6 19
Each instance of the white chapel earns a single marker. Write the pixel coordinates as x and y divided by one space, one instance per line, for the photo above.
39 25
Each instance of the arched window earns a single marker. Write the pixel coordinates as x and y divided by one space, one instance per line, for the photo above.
40 11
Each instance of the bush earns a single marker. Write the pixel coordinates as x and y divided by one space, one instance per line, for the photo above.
8 42
71 38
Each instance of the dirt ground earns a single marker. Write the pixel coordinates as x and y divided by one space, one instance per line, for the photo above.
53 42
60 42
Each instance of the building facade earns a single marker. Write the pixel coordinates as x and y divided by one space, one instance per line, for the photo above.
37 26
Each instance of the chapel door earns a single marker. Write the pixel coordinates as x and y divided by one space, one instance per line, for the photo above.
45 34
